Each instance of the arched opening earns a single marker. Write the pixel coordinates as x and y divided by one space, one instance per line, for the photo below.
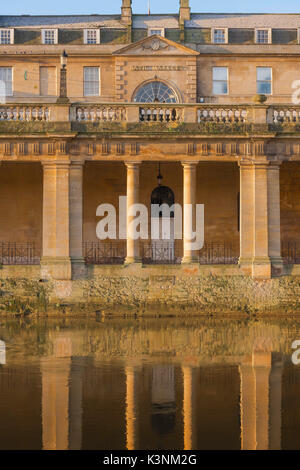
155 92
162 223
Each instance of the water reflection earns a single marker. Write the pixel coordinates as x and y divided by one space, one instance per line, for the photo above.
156 384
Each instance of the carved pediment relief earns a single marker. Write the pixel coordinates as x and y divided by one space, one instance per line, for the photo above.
156 45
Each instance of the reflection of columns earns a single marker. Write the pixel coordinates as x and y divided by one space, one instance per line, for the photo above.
254 229
189 411
61 398
131 408
133 187
275 406
261 403
55 403
189 199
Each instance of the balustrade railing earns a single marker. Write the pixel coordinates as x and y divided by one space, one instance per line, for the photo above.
285 114
160 114
18 253
101 113
24 113
221 114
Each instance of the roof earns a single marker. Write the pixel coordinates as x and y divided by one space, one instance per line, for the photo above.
198 20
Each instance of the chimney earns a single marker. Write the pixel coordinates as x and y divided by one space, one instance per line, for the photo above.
126 12
184 11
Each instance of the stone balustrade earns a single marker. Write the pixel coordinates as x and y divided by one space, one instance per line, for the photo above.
101 113
151 113
228 114
24 113
284 114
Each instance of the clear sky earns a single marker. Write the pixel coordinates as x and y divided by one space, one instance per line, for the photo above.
68 7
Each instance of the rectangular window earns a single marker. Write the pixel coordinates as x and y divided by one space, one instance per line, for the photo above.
264 80
92 36
156 32
220 80
263 36
220 36
91 81
6 88
49 36
6 36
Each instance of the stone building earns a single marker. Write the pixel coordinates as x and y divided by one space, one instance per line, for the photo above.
95 107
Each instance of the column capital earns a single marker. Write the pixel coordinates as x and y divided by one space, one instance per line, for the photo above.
133 165
55 163
189 164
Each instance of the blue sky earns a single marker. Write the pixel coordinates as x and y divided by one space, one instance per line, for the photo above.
55 7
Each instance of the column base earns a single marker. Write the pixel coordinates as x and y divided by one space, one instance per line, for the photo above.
79 270
261 268
245 265
277 266
59 268
190 260
130 260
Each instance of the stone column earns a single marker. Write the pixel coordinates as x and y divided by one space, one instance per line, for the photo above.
274 217
133 187
189 413
131 408
189 198
76 220
254 217
62 220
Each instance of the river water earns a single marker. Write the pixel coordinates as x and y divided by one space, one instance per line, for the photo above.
117 383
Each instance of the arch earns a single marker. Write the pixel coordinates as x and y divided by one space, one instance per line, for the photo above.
156 91
162 195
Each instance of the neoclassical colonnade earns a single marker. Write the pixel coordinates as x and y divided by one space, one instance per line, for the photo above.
260 242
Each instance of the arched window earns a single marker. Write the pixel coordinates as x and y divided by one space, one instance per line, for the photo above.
155 92
162 195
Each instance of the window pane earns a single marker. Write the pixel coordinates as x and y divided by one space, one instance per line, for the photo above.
155 32
6 80
264 73
263 36
91 81
219 73
220 88
219 36
264 88
5 36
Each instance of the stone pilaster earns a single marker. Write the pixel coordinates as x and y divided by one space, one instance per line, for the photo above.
133 189
189 198
274 218
76 220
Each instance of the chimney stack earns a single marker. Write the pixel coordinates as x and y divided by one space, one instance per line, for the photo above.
184 11
126 12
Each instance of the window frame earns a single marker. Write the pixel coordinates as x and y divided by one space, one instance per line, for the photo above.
298 35
85 36
162 30
12 38
269 30
225 35
264 81
99 80
55 36
213 81
12 80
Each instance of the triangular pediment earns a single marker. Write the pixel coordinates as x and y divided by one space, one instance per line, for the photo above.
156 46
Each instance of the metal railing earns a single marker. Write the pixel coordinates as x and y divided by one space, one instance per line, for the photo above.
18 253
290 252
104 252
219 253
159 252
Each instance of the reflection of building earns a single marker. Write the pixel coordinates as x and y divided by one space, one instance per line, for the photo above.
138 90
163 398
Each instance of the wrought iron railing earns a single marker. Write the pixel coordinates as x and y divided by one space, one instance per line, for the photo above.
18 253
159 252
290 252
104 252
219 253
